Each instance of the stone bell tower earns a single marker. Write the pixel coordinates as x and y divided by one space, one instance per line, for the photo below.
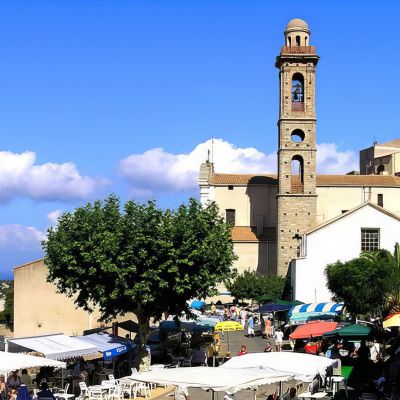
297 199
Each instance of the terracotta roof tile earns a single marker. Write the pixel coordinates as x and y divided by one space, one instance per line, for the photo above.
248 234
322 180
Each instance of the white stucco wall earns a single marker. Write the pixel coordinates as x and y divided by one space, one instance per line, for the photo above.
340 240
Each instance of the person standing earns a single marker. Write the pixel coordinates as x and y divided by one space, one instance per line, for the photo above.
243 315
278 336
267 329
250 326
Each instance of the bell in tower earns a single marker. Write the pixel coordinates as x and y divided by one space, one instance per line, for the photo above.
296 196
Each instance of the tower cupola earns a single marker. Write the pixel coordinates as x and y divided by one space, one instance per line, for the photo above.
297 33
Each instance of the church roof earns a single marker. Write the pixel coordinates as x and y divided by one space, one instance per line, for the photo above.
322 180
249 234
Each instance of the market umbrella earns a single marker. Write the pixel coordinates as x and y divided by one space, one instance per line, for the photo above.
273 307
228 326
197 304
392 320
313 329
354 330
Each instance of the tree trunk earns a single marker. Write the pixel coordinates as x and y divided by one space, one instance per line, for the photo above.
144 329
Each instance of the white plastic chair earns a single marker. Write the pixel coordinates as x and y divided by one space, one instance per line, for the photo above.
116 393
141 388
84 391
97 394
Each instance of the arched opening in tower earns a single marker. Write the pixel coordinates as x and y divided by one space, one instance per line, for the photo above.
297 92
297 175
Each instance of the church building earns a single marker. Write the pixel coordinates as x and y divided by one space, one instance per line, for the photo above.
274 217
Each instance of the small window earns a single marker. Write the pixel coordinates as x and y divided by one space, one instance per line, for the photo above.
230 216
380 200
230 187
297 40
369 239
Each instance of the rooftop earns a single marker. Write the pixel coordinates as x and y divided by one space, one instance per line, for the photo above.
322 180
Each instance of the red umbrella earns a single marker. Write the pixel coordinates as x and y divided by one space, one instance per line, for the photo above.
313 329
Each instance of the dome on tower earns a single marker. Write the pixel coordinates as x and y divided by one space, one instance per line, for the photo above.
297 24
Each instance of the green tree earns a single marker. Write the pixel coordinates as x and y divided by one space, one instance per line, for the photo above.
254 286
393 261
7 315
362 284
140 259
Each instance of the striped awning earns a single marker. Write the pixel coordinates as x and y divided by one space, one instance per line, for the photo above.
317 307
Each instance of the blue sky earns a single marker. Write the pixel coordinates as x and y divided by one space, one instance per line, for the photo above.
124 96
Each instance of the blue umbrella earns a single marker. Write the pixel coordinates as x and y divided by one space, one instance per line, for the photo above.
198 304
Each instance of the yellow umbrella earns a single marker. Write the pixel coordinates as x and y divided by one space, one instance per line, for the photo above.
228 326
392 320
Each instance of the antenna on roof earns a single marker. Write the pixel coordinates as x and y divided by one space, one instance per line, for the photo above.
375 141
212 150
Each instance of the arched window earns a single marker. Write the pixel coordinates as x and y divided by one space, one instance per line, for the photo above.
297 40
305 41
380 169
297 136
297 176
289 41
297 92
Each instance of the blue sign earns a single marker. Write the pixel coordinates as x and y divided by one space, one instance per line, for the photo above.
109 354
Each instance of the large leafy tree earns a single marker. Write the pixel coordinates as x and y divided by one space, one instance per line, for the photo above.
363 283
393 262
254 286
7 314
140 259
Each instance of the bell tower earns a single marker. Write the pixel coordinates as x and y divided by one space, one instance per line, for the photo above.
297 198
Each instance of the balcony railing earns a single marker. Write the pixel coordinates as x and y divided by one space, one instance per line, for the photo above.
298 50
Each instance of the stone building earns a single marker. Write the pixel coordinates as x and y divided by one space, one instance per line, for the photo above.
382 159
271 214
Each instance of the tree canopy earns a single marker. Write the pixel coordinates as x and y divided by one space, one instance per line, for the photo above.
363 283
140 258
254 286
7 314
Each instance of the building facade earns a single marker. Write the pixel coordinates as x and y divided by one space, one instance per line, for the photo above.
271 214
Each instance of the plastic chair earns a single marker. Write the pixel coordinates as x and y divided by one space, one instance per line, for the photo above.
84 391
116 393
141 388
97 394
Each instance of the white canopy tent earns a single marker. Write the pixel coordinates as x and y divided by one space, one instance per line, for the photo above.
304 367
13 361
217 379
57 346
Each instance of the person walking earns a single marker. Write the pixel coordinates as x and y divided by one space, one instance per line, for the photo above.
250 326
278 336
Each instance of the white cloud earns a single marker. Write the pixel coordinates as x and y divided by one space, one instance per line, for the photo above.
53 216
158 171
19 237
332 161
21 177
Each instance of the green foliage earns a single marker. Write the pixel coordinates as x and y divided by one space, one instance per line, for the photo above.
253 286
393 262
7 315
142 259
362 284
